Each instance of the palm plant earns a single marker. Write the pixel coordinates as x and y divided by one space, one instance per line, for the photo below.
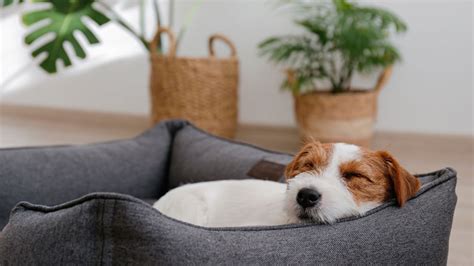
64 18
340 38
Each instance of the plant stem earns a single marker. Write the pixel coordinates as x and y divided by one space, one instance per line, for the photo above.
345 79
142 18
157 12
331 74
333 83
158 21
337 89
122 23
348 79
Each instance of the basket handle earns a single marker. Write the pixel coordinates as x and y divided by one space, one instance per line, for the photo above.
383 78
156 39
233 51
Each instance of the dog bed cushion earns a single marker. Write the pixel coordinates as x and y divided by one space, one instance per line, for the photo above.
111 228
53 175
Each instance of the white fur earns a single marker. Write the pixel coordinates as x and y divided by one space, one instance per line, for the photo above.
227 203
257 202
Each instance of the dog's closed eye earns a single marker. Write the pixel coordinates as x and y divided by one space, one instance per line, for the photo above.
350 175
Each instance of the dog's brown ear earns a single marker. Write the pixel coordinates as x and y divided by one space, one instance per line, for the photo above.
405 185
289 170
292 168
300 160
309 158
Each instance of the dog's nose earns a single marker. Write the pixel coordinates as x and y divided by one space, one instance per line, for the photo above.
307 197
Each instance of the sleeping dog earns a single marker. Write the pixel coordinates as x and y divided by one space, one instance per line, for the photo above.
325 182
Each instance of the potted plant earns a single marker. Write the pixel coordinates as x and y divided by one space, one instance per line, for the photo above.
341 38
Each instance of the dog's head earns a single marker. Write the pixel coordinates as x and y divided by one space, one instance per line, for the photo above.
331 181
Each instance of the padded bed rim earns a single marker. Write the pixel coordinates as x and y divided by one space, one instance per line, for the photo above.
443 175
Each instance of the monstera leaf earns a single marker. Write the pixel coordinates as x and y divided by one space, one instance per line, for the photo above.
64 18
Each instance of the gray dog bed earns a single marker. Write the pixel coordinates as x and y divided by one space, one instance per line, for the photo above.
115 224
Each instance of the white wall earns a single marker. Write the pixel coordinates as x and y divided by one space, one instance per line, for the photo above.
431 91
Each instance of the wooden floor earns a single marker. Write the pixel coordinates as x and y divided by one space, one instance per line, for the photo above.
25 126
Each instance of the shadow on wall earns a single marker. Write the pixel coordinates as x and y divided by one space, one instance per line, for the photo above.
119 85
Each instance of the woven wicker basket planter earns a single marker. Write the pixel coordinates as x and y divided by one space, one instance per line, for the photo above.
344 117
201 90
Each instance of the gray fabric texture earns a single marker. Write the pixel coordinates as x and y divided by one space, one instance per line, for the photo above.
198 157
53 175
111 228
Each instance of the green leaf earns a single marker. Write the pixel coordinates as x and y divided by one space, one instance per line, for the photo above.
268 42
5 3
65 18
317 28
385 17
342 5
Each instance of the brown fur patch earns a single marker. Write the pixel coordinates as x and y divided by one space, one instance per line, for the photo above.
314 156
367 178
377 177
